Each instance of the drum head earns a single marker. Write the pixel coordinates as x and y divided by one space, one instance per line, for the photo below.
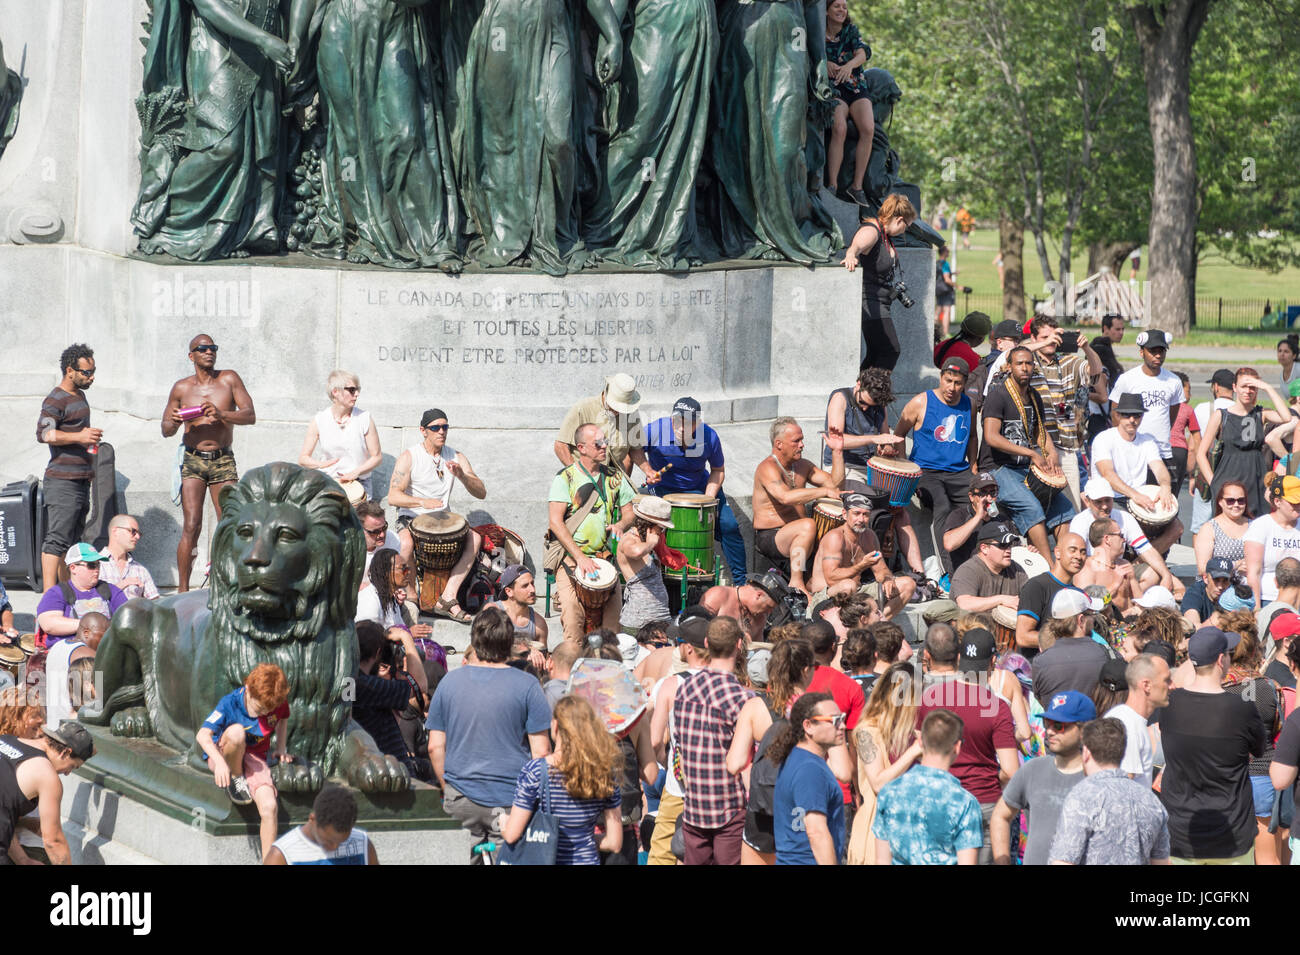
1032 564
605 577
1004 616
896 465
10 655
355 492
1163 514
831 507
438 525
28 643
691 500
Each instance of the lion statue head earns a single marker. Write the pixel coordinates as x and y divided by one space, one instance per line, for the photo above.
287 558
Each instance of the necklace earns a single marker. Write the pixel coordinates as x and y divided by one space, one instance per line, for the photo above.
786 476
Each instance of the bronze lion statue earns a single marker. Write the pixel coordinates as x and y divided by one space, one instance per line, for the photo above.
287 558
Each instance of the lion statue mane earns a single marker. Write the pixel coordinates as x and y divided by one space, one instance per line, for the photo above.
287 557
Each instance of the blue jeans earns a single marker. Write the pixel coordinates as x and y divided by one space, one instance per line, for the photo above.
1018 501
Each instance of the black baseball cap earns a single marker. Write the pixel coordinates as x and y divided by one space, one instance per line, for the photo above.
977 649
1218 568
955 364
692 627
686 406
73 735
1223 378
1208 644
982 479
1153 338
999 532
1008 328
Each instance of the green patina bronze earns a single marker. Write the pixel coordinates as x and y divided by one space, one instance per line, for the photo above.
11 92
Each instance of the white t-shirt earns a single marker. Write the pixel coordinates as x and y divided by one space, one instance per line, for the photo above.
1128 526
58 702
1206 408
1279 542
430 477
368 609
1159 394
1129 458
391 542
1138 755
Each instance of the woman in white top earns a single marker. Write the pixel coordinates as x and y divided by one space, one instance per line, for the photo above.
1273 537
1287 351
345 434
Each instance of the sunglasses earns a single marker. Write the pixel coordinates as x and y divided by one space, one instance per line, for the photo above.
837 720
601 443
133 531
1131 414
436 427
378 531
88 372
352 389
206 348
1232 501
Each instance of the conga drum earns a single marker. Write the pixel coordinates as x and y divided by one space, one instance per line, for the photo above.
11 659
1152 522
898 476
355 492
828 514
594 592
439 540
1044 486
695 516
1004 628
27 642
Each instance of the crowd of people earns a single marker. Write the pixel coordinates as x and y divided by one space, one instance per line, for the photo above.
787 718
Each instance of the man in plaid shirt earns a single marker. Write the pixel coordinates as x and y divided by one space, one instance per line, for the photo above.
1064 382
705 711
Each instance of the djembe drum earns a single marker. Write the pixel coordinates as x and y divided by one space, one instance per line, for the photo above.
1004 628
594 592
828 514
1044 486
439 540
898 476
1152 522
11 659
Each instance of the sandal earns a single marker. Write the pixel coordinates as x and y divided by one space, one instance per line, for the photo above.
447 608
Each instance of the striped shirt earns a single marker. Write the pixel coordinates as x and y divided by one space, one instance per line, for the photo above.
69 413
577 817
705 711
297 849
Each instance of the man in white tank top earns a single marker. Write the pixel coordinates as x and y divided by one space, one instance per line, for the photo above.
328 837
422 483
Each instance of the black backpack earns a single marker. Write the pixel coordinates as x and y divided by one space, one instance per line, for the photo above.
762 775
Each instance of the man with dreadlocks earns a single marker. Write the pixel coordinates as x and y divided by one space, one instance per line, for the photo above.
1016 437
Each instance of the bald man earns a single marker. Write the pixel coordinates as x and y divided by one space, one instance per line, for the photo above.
1036 595
214 401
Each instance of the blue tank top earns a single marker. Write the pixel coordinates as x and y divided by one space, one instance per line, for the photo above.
939 442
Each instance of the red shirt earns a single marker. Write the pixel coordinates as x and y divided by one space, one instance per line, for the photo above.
848 696
958 350
986 728
1178 430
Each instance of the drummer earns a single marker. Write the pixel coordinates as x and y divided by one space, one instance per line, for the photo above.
849 550
1124 455
859 413
944 444
1016 437
1099 501
7 632
422 482
990 578
610 514
784 483
692 454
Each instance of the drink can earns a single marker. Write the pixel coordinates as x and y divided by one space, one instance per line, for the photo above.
93 449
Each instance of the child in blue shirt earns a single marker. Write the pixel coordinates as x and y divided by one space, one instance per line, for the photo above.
236 737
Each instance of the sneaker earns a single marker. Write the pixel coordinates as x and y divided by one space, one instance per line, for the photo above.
858 196
239 792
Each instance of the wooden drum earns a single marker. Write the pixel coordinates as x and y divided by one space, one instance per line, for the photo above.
898 476
11 659
439 540
828 514
1044 486
1152 522
594 592
355 492
1004 628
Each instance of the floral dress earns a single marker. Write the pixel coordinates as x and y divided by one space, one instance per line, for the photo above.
842 49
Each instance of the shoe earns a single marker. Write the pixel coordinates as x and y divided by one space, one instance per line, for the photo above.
239 792
858 196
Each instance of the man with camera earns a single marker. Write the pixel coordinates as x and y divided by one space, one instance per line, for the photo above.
749 604
383 690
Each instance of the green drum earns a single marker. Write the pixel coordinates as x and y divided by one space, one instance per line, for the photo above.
694 518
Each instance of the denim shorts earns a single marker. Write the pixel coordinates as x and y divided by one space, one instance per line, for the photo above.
1017 500
1262 789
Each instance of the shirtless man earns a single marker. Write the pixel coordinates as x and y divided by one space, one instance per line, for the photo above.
31 780
749 604
849 550
784 482
1107 567
223 402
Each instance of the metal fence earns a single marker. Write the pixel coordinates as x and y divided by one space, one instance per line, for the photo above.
1243 313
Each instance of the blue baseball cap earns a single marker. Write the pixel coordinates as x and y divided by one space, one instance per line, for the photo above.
1208 644
1070 706
1218 568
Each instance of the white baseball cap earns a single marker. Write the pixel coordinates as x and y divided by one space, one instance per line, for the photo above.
1070 602
1097 488
1157 596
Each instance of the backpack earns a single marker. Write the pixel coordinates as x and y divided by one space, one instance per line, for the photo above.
763 773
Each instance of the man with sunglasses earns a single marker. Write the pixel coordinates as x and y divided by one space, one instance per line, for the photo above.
1124 455
378 535
209 463
64 425
423 478
990 578
119 566
962 526
1159 390
1099 503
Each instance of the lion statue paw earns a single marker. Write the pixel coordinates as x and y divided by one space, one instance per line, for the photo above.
132 722
300 776
374 773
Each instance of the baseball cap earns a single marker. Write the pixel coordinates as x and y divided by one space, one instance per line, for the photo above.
692 627
976 324
1223 378
1098 488
1130 403
1157 596
977 649
1070 706
1286 624
1294 388
955 364
1070 602
1162 649
512 573
1218 568
1001 533
686 406
73 735
1287 488
82 554
1114 675
982 479
1207 644
756 665
1153 338
432 415
1008 329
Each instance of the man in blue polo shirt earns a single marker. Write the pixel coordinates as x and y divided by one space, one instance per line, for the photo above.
694 452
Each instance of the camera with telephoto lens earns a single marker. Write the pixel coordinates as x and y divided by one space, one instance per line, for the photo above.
393 656
791 605
898 289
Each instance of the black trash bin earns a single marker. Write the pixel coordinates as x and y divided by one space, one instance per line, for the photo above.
22 528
